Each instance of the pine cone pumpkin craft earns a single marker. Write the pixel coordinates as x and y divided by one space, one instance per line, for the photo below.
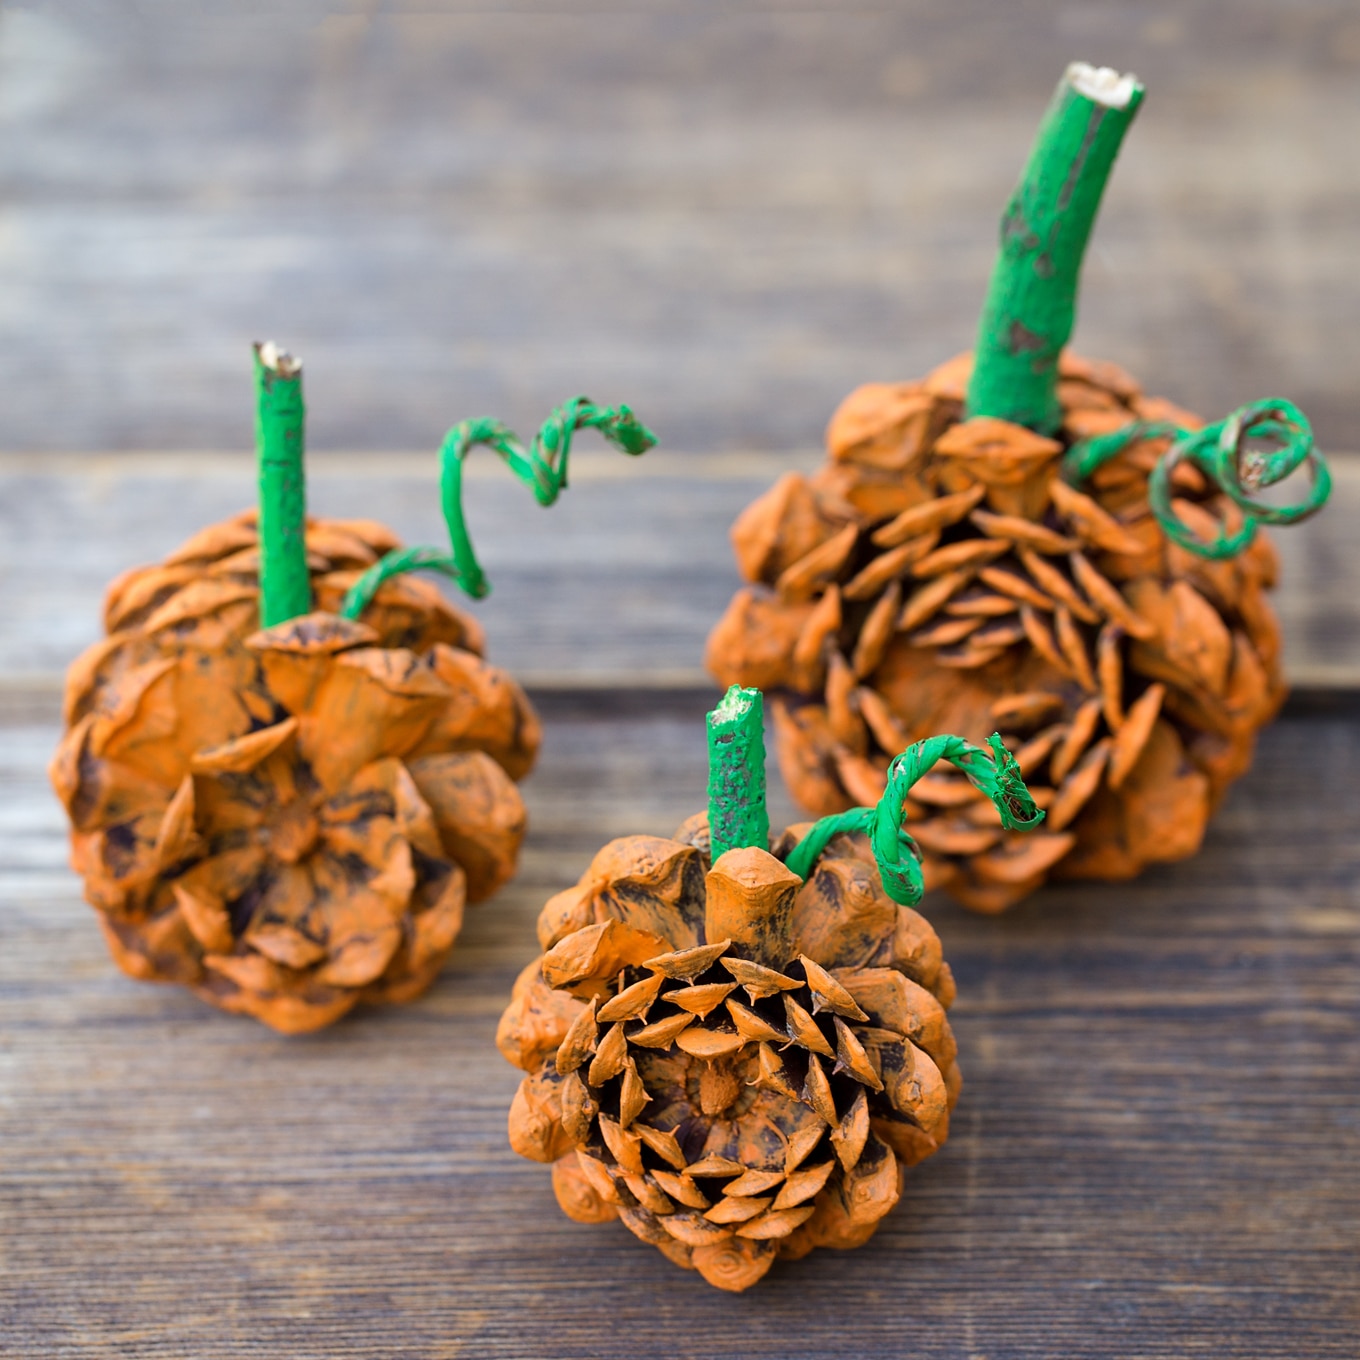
734 1050
290 819
1025 540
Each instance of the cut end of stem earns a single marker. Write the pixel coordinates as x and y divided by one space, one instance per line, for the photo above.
277 360
735 705
1103 84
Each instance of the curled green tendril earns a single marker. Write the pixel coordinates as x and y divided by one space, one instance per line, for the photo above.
542 467
996 774
1221 452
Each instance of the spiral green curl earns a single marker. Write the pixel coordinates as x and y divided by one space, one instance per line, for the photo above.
995 774
1221 452
542 467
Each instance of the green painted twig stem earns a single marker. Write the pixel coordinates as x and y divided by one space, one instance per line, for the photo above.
1031 302
542 467
995 773
1222 452
285 589
737 816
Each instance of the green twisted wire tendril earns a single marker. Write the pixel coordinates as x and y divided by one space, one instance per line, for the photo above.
1220 452
542 467
996 774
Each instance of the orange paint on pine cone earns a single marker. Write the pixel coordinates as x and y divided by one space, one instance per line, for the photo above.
735 1063
1079 597
288 821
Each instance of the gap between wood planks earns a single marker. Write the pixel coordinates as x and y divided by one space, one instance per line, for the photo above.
37 700
1315 601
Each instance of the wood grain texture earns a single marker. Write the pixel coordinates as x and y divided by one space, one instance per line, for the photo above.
727 215
1156 1153
617 583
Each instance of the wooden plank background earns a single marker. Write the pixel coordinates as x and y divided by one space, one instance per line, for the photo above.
727 215
617 584
1155 1154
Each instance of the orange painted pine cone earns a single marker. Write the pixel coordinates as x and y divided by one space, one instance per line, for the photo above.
291 820
735 1063
937 574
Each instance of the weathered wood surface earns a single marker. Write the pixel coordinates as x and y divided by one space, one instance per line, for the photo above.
1156 1153
725 214
727 218
618 583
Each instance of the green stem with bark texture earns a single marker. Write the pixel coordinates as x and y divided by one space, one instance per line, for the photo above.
737 816
1031 303
285 588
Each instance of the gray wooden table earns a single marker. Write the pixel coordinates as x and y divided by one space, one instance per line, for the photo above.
725 212
1157 1151
727 215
